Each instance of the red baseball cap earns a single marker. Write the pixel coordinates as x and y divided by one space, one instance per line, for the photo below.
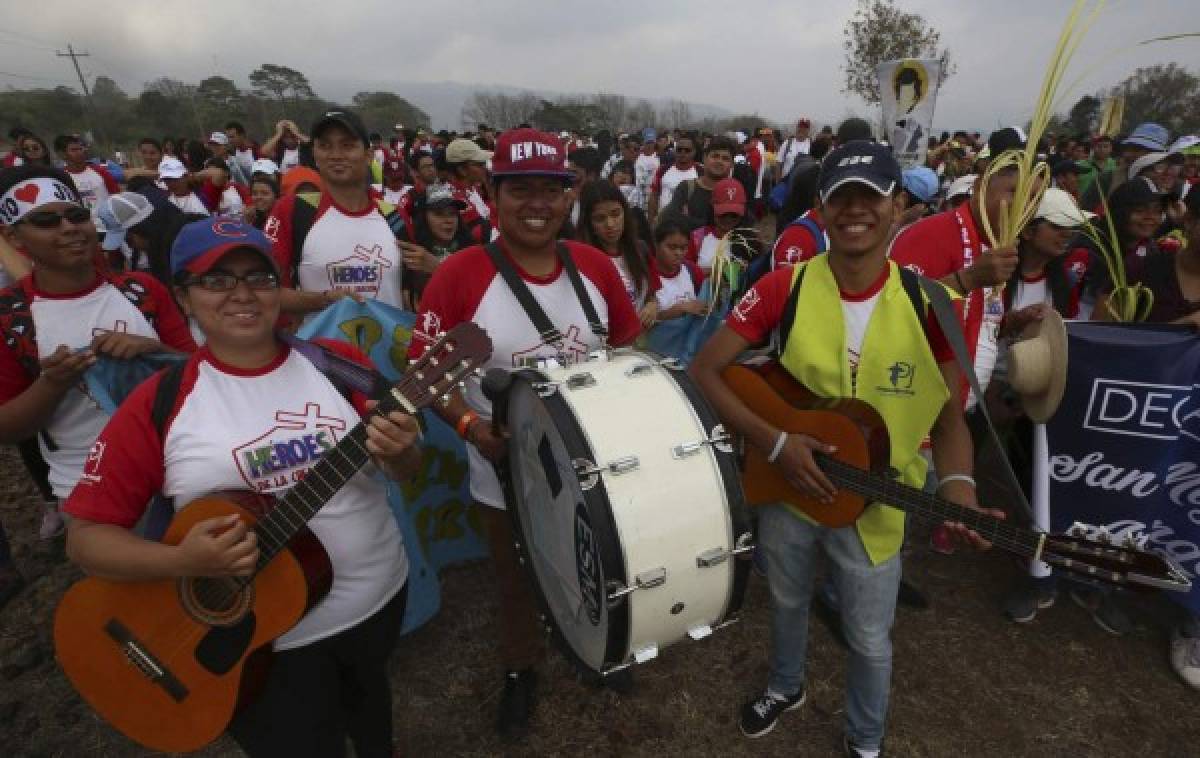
528 152
729 196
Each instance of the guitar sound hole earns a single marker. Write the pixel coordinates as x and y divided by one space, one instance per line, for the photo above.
217 601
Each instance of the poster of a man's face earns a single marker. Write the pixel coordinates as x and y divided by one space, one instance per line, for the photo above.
910 84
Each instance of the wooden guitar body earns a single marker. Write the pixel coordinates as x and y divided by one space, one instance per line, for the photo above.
852 426
164 661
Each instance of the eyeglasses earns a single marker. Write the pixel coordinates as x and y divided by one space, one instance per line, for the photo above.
33 147
76 214
220 281
683 150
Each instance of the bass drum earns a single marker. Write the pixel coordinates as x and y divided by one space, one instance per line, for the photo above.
627 505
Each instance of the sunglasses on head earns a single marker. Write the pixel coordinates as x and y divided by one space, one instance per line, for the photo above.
221 281
76 214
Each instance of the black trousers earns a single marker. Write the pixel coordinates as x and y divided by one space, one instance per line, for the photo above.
318 695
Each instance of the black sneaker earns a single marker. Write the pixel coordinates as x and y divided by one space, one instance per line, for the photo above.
759 715
854 751
517 703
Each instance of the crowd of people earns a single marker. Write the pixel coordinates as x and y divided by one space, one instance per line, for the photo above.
214 247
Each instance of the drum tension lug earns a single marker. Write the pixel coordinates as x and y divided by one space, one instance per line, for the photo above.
712 557
699 632
718 438
588 472
641 369
643 581
580 381
743 545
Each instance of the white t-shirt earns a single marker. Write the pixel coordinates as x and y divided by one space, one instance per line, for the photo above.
791 148
351 252
91 186
644 170
75 322
245 160
671 179
263 431
1031 292
707 251
231 202
189 203
291 159
674 290
467 288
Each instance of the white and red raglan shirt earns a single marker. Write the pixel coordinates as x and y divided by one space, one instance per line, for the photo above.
94 183
344 251
259 430
936 247
467 287
75 320
680 287
666 182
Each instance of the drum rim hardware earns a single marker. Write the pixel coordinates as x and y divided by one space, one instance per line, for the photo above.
720 440
589 472
647 580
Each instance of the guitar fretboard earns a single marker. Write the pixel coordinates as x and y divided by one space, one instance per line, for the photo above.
877 488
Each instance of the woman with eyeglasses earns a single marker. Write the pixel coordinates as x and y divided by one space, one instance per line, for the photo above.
55 321
253 413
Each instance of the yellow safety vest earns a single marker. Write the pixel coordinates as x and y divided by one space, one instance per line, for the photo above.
897 375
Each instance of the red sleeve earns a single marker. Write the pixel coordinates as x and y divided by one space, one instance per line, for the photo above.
124 468
755 159
353 353
171 326
13 378
656 182
451 296
210 195
243 192
110 183
761 309
1077 265
278 228
795 245
920 248
694 239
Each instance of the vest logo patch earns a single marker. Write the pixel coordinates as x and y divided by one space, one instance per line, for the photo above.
900 379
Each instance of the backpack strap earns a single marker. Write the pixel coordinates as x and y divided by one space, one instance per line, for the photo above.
304 215
137 294
165 397
912 287
789 312
345 374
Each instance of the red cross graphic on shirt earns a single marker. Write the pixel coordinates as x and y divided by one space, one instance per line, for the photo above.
373 254
312 413
572 347
119 326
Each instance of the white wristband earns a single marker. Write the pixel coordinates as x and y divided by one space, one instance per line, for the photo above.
779 443
955 478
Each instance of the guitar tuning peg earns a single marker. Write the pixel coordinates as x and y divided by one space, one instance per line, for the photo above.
1077 530
1104 537
1131 542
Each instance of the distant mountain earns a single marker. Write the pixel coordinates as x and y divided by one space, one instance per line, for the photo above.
443 101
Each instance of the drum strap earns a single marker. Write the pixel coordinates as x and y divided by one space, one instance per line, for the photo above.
549 332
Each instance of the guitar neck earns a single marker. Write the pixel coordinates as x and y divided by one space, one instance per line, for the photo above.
877 488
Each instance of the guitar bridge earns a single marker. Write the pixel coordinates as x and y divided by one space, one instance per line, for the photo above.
145 662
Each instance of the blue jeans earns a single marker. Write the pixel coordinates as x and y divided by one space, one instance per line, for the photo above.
867 596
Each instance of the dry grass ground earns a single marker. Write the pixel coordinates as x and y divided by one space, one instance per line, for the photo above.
966 682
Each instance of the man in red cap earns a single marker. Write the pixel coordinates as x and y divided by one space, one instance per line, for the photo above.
530 187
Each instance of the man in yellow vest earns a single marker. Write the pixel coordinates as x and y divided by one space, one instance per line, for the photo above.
856 332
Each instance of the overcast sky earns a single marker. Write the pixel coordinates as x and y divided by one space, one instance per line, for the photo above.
780 58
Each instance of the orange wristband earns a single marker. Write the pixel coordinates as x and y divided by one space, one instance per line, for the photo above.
464 423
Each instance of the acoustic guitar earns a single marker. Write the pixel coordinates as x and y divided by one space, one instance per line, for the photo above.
861 472
168 662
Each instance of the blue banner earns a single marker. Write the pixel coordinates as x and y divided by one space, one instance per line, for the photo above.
682 337
1125 442
432 510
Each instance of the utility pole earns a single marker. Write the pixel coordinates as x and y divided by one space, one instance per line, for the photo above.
74 56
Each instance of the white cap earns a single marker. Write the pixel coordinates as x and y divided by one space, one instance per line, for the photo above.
1059 208
1145 162
961 186
171 168
220 138
264 166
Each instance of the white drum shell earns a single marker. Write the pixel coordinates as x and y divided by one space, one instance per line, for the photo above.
671 512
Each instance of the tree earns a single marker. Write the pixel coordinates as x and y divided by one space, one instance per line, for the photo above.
498 110
613 110
748 123
641 115
181 98
677 114
879 31
1167 95
1081 119
381 111
219 100
270 79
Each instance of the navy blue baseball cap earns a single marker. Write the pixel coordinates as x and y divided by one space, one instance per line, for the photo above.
863 162
202 244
